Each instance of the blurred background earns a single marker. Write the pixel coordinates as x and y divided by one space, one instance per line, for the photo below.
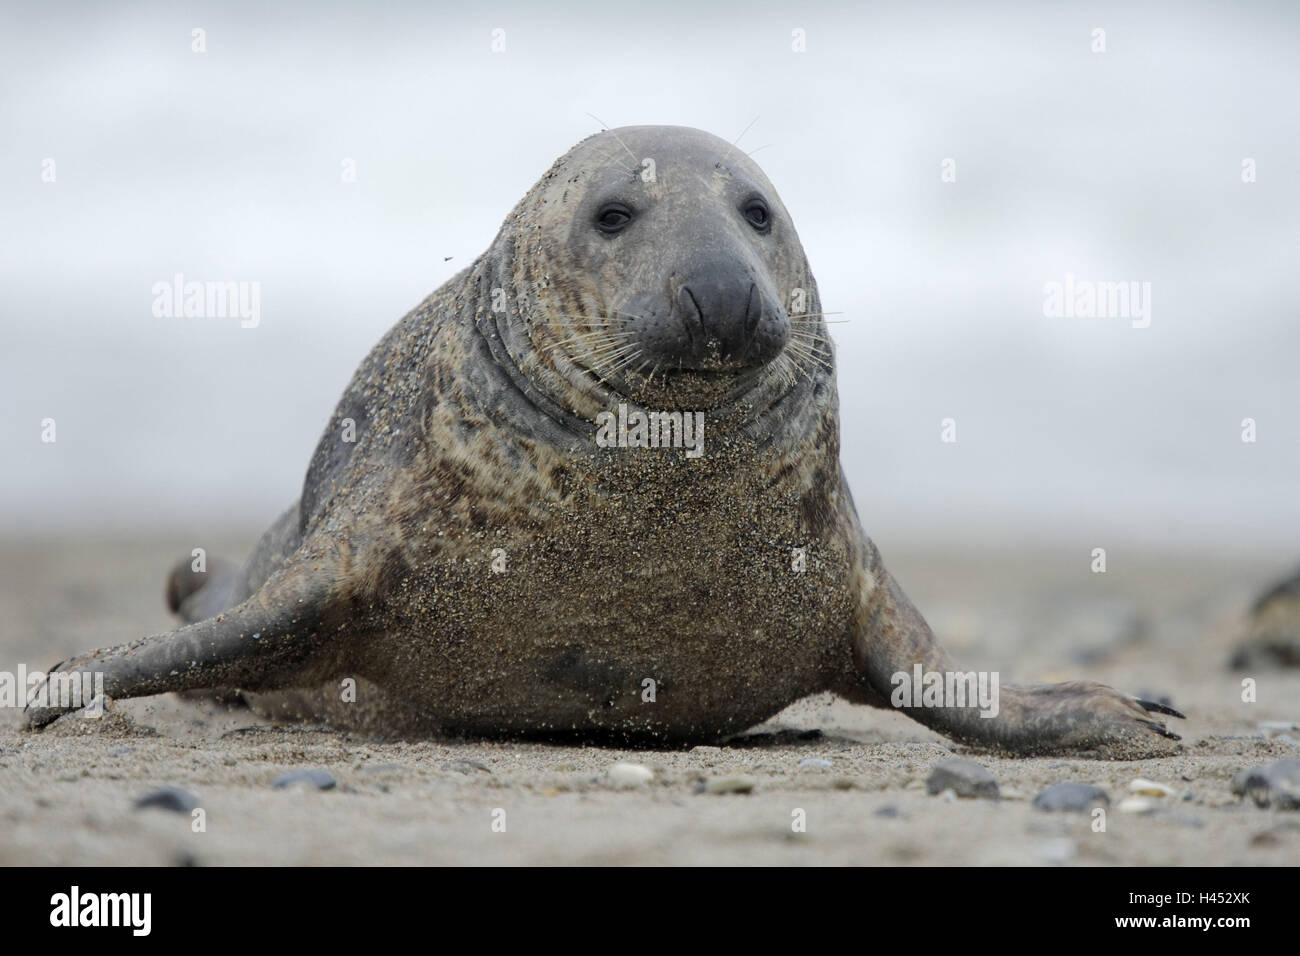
1123 165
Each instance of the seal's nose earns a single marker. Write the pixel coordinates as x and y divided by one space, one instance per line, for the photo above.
720 310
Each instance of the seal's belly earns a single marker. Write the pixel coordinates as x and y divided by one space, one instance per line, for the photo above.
676 636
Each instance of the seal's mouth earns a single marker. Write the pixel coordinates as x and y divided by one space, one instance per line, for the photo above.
691 388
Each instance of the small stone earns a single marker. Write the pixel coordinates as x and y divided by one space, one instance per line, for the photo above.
889 812
738 783
1277 785
1071 797
170 798
1149 788
627 775
306 779
814 763
964 777
1137 805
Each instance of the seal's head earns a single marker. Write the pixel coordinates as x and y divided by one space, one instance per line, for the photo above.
658 262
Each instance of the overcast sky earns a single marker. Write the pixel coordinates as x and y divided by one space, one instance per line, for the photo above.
1122 165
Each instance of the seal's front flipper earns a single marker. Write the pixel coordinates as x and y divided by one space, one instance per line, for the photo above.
1077 717
268 642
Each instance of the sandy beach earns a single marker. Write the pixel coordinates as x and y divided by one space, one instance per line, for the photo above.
1153 625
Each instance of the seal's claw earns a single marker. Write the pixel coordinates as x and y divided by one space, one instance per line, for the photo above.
1096 719
1152 707
1084 718
1160 729
36 715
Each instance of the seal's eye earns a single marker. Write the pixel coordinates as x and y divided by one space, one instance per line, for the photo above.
756 212
612 217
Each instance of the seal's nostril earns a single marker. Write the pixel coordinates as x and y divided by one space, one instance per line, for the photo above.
753 312
693 318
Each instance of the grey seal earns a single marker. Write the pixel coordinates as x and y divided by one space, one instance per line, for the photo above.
478 561
1272 636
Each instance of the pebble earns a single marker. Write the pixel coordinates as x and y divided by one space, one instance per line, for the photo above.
1276 785
889 812
1149 788
627 775
965 778
308 779
175 799
1137 805
814 763
739 783
1071 797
